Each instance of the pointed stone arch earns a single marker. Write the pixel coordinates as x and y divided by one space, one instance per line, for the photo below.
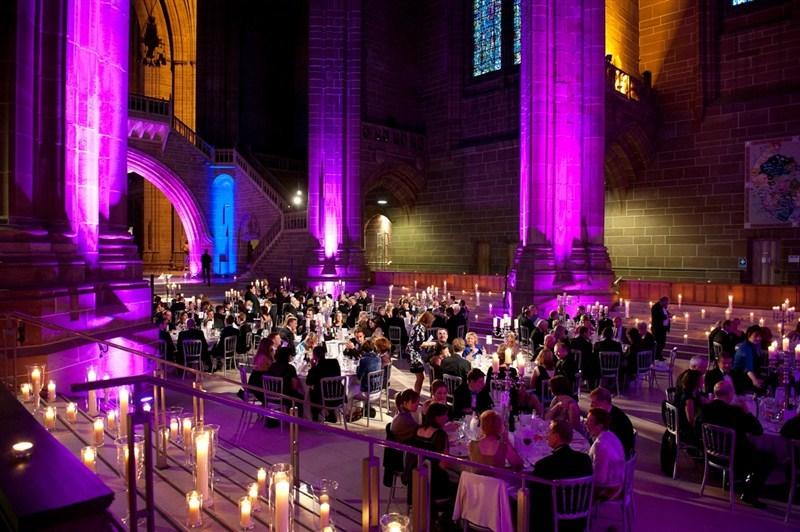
186 205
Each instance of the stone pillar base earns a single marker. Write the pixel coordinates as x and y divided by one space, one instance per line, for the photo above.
536 278
346 265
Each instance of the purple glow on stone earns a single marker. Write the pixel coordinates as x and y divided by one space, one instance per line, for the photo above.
187 207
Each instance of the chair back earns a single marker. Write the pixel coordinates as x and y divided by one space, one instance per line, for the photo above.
571 499
243 379
545 392
577 356
375 382
671 418
630 470
248 341
387 376
394 334
393 460
192 348
672 356
273 387
472 491
256 342
609 362
460 331
452 383
333 390
644 361
719 443
230 346
524 335
670 392
717 350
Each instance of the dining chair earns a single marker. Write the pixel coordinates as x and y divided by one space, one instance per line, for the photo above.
395 337
333 391
452 382
192 352
644 367
665 368
609 366
625 498
373 393
572 499
719 448
273 393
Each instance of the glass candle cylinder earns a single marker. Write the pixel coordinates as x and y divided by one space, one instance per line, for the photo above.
91 400
111 421
245 513
194 507
252 492
50 418
36 373
261 479
72 412
99 432
281 504
26 392
89 458
394 522
51 392
123 454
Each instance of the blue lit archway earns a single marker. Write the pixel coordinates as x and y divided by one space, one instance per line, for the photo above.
223 225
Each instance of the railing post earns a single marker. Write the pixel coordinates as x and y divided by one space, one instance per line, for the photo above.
420 499
294 449
370 493
198 402
523 508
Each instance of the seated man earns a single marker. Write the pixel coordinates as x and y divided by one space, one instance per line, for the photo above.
590 366
751 463
455 364
620 424
608 456
321 368
725 371
368 362
562 463
352 348
193 333
473 396
229 330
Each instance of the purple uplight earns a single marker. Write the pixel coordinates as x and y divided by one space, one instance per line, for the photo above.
174 188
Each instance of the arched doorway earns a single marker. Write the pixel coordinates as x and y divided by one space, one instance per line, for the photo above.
181 198
378 242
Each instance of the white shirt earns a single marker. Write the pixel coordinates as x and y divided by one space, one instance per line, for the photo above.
608 459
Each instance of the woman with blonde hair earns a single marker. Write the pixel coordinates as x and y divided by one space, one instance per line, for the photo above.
545 367
472 348
493 447
415 346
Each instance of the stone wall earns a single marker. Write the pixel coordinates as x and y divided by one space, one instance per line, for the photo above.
622 31
719 85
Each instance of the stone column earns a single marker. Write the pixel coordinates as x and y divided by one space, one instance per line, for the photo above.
561 153
334 191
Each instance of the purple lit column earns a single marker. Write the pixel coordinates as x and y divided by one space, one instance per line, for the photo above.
334 192
562 153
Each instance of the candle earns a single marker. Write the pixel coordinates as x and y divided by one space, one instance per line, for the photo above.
245 517
187 431
50 418
282 506
752 315
703 313
785 344
685 338
772 351
72 412
99 432
51 392
201 453
445 287
194 503
36 380
111 421
252 493
124 396
495 322
92 400
26 392
516 324
174 426
627 308
495 363
261 478
490 305
508 354
324 515
488 339
797 352
89 458
686 321
680 300
730 301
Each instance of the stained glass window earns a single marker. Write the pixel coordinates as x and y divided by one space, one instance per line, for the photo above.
517 33
486 36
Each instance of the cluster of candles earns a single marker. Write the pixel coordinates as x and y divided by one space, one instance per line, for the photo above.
773 352
286 282
783 311
597 309
504 322
259 283
231 295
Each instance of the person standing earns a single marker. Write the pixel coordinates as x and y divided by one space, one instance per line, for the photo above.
205 261
660 319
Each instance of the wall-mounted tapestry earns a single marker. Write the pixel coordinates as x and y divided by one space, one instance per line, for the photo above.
772 185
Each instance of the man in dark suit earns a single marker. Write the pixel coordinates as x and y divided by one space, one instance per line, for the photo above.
321 368
455 319
607 344
562 463
164 336
455 364
397 321
660 320
205 263
352 316
590 365
193 333
620 332
251 296
621 425
228 331
537 337
473 396
725 371
751 463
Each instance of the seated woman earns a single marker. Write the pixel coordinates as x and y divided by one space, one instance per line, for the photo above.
292 388
438 395
438 353
431 436
404 425
493 447
564 406
545 368
321 367
304 351
688 401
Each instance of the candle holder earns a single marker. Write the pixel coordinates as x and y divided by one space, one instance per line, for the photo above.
245 513
122 455
281 503
89 457
323 494
395 522
36 373
194 509
22 449
50 418
25 391
186 427
99 432
255 501
202 449
72 413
